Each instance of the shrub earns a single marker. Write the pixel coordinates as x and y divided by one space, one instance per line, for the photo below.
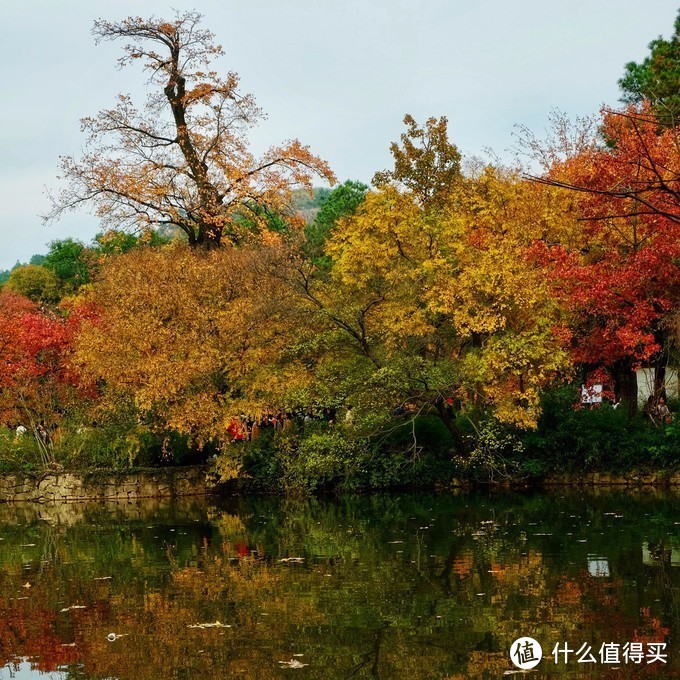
319 458
323 460
494 453
118 444
601 438
18 453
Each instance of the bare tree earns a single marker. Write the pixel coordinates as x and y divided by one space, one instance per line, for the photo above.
645 179
183 159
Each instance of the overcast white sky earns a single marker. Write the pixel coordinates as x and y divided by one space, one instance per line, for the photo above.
337 74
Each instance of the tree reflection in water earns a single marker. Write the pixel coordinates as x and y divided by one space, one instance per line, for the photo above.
386 586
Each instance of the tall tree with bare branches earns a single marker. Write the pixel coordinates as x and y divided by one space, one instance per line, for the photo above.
182 160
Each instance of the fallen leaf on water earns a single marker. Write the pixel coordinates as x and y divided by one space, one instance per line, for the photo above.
112 637
217 624
293 663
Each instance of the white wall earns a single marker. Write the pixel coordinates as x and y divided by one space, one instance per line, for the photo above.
645 381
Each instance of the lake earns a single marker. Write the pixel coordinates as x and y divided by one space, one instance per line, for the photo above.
384 586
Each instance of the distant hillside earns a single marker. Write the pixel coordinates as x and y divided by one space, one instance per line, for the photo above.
308 206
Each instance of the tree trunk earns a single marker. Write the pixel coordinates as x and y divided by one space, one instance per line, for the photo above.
660 366
660 378
446 415
627 389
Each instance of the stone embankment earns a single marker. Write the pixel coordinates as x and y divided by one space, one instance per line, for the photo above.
104 485
632 480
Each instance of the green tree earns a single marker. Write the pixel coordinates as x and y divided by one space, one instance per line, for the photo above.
34 282
70 261
114 242
656 78
117 242
343 201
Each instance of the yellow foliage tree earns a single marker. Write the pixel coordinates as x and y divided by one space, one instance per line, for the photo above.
184 334
439 309
499 299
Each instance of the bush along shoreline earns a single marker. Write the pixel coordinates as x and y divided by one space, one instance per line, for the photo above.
600 445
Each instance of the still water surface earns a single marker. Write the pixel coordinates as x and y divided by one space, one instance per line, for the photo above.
387 586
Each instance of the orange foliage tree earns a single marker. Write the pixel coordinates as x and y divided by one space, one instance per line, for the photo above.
183 160
184 335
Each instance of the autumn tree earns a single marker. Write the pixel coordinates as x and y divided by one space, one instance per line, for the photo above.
187 345
498 298
35 383
426 163
432 302
618 271
643 177
432 313
181 160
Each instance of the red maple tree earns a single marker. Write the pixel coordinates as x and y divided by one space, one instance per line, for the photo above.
619 275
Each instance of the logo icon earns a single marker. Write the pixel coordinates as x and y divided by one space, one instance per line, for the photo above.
525 653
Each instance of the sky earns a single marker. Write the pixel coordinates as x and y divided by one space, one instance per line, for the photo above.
337 74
